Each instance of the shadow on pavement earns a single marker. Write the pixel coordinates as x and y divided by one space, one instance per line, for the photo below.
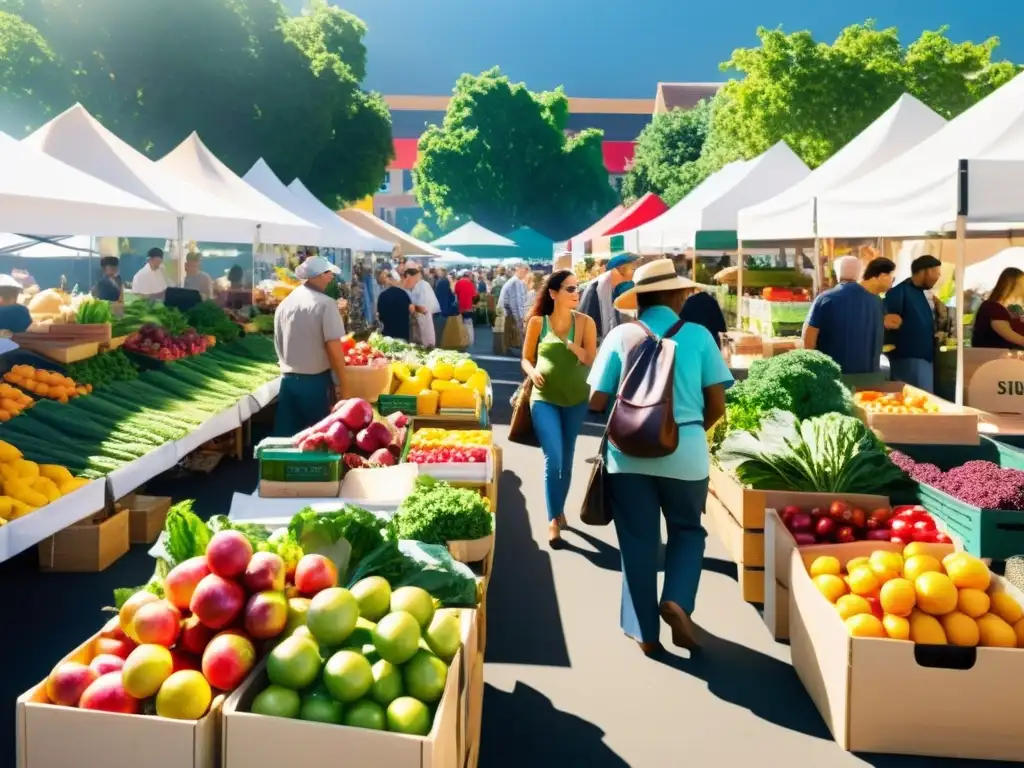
524 620
759 683
523 728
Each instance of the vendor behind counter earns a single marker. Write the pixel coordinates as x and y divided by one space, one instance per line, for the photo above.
995 326
14 317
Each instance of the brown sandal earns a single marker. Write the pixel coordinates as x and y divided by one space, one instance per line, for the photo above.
684 631
555 536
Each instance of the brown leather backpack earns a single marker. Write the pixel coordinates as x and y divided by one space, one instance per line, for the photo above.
642 422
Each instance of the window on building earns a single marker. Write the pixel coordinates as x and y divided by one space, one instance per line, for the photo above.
407 183
385 187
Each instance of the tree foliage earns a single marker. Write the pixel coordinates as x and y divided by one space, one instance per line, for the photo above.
502 158
666 154
251 80
817 96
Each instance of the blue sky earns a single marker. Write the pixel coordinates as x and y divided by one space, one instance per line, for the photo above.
618 49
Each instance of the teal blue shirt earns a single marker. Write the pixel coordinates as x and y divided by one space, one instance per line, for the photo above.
698 364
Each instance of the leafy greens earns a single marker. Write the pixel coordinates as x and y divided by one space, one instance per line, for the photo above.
831 453
436 513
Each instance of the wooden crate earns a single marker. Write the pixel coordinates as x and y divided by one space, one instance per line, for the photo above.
952 425
64 352
740 543
474 721
79 332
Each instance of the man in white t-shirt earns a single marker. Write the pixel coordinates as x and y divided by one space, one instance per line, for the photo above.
150 282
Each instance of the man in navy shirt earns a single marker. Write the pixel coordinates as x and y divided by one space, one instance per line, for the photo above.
912 359
14 317
846 322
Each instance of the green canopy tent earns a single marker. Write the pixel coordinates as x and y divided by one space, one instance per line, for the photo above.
531 246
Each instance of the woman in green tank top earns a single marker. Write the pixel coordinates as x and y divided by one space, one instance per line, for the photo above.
559 347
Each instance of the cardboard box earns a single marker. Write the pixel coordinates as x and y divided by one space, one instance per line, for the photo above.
952 425
776 609
256 741
893 696
147 515
49 736
275 489
87 547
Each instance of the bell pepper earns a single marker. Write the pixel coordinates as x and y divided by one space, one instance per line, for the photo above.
427 401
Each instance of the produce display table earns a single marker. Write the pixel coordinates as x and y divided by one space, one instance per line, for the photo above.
774 318
25 532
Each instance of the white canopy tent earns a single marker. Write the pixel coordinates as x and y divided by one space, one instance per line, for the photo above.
264 181
472 234
77 138
964 179
74 246
191 161
714 205
366 240
42 195
790 215
917 193
452 259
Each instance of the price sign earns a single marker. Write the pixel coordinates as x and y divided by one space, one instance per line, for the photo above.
998 386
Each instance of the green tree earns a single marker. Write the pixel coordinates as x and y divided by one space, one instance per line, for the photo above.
666 151
817 96
252 81
502 158
359 147
30 78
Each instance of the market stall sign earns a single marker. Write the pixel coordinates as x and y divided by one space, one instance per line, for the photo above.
998 386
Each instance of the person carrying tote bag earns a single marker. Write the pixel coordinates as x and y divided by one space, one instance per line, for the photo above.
642 489
560 344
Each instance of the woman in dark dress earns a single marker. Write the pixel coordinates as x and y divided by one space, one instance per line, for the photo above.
995 327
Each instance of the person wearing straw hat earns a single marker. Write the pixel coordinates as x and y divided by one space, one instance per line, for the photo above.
675 485
307 335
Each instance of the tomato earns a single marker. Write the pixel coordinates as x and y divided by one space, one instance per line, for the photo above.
941 538
347 342
901 540
902 527
924 525
923 534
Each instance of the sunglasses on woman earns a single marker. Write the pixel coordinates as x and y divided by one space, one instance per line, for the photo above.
570 288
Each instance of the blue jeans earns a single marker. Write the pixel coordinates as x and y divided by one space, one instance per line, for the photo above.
636 501
557 428
913 371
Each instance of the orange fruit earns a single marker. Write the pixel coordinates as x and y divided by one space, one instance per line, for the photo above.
852 605
857 562
996 633
960 629
1006 608
898 597
926 630
918 564
896 627
863 581
826 564
968 572
936 594
973 602
865 625
832 587
882 561
1018 628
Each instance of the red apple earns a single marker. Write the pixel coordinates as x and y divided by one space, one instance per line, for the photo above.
825 528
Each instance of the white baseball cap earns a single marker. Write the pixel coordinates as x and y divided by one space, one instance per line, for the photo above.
315 266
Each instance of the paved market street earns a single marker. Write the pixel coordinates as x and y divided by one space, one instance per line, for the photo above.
563 686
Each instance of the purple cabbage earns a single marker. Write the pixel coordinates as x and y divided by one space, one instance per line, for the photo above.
979 483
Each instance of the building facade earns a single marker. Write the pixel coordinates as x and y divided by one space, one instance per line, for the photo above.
620 119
